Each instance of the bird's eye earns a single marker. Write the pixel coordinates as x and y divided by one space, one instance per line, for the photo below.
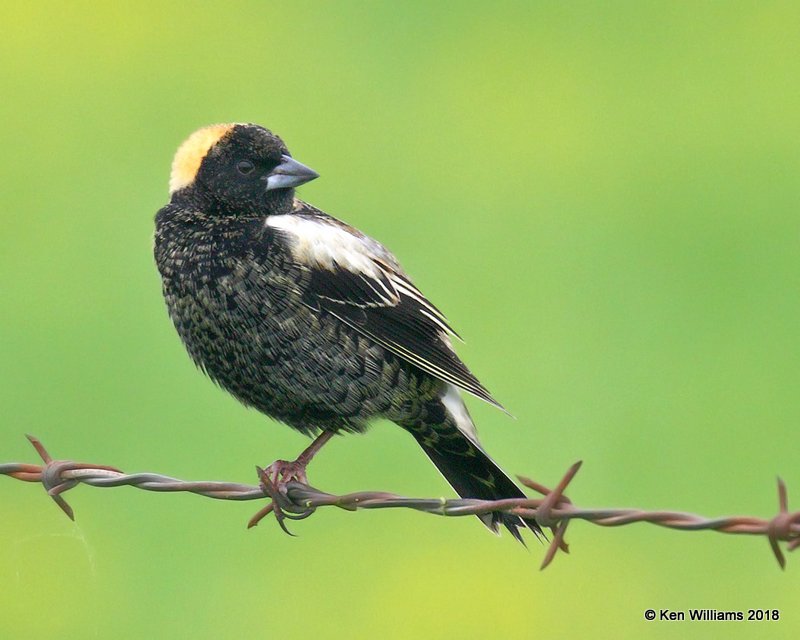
245 167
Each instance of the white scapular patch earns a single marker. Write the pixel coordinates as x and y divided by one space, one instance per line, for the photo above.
328 246
455 406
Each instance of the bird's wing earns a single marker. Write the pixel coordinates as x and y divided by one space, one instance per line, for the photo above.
355 279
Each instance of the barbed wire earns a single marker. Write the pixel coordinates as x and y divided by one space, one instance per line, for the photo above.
296 501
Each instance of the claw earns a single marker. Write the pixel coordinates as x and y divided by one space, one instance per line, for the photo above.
273 481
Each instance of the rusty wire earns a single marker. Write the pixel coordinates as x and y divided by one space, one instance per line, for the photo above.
296 501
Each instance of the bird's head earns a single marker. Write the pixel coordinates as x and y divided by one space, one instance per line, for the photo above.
240 167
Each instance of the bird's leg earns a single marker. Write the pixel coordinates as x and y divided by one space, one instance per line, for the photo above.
311 450
282 472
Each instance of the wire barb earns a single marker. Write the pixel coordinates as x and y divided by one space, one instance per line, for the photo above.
296 501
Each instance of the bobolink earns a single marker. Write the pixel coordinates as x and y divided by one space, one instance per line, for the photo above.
306 318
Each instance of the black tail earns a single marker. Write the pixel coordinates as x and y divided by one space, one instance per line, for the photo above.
471 472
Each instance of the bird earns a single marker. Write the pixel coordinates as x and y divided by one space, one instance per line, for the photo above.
307 319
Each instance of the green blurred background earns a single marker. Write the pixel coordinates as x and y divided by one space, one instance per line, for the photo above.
603 197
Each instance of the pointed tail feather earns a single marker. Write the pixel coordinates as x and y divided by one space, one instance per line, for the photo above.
471 472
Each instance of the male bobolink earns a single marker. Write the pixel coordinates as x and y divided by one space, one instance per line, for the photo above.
307 319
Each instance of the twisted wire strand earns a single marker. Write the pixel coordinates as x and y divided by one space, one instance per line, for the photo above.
295 501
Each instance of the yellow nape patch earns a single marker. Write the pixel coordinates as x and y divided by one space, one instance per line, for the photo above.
191 153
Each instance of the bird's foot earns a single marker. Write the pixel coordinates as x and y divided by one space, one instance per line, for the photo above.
274 481
282 472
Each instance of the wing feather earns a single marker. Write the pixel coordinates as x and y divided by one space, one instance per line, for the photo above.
355 279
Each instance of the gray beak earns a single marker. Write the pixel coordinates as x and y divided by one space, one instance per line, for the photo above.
289 173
